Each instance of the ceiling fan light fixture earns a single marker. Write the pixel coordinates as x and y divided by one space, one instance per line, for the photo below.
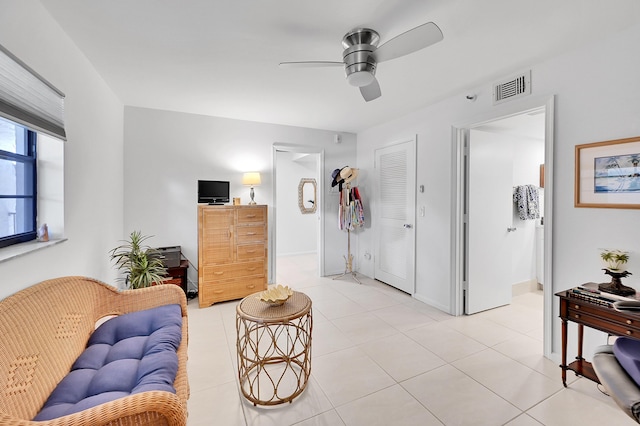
361 54
360 78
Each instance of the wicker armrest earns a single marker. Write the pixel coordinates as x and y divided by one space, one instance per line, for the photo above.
151 297
624 391
146 408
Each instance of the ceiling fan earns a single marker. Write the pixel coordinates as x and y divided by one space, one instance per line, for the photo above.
361 54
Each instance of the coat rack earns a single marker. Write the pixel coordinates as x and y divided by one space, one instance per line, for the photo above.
348 259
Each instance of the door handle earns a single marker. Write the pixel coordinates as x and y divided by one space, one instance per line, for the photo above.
512 229
407 226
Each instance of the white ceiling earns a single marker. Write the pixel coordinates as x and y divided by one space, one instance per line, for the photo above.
220 57
528 125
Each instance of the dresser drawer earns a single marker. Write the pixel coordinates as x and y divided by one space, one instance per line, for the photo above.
234 270
251 215
213 292
250 234
251 251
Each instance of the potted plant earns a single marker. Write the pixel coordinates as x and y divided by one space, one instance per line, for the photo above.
142 265
614 260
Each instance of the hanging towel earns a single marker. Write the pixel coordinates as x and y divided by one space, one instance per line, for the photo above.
528 201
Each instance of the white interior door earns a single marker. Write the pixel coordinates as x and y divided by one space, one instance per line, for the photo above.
490 217
394 243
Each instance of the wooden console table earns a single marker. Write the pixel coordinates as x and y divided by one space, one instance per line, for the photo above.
592 315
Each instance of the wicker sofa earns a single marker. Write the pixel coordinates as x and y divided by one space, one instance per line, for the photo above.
45 327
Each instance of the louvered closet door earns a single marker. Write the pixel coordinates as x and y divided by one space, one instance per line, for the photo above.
394 244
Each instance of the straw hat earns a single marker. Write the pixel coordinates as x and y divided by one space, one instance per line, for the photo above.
348 174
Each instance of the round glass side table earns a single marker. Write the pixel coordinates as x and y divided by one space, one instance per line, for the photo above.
274 348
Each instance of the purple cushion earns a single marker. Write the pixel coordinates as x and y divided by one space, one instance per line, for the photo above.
129 354
627 352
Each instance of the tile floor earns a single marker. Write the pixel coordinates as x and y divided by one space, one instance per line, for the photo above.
383 358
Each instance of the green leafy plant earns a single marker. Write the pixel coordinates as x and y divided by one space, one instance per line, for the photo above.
141 264
614 259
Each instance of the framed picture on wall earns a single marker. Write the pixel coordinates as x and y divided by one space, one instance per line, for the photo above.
607 174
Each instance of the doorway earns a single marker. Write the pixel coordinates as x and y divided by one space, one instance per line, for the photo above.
505 158
484 284
296 231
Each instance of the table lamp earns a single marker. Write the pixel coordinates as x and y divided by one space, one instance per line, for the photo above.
251 179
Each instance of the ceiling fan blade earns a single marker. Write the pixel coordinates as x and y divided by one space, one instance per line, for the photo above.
310 64
409 42
371 92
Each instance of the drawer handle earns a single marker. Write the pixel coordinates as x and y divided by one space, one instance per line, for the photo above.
251 233
250 251
251 269
577 316
577 306
629 332
218 291
250 216
218 273
629 322
250 286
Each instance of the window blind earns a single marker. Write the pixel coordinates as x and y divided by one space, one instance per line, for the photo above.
29 99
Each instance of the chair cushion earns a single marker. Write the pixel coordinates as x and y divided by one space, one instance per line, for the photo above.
627 352
129 354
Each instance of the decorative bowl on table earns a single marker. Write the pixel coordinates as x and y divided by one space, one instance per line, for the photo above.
276 296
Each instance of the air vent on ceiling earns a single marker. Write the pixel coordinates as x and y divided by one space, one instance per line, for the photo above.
512 88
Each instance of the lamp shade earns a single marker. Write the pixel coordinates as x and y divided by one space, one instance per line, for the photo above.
251 179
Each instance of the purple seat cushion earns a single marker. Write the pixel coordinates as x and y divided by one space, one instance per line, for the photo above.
627 352
129 354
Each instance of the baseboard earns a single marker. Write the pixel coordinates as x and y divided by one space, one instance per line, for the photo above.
297 253
524 287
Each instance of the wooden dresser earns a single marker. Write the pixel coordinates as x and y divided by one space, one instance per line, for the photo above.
232 252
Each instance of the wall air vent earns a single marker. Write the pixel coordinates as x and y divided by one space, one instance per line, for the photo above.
512 88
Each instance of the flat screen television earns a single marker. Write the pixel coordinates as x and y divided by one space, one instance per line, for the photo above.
213 191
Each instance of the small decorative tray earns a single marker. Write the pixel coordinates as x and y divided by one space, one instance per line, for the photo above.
276 296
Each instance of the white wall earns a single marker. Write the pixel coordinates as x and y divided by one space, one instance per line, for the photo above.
596 99
167 152
93 202
297 232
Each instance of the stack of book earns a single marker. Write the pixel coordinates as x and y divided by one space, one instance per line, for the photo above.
595 296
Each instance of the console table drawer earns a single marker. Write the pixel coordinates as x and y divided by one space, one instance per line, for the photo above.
611 316
599 323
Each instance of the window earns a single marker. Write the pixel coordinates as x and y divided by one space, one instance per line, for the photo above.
18 193
28 104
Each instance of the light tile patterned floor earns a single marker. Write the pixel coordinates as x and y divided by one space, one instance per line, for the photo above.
383 358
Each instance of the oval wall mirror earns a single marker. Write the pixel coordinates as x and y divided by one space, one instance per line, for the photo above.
307 195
